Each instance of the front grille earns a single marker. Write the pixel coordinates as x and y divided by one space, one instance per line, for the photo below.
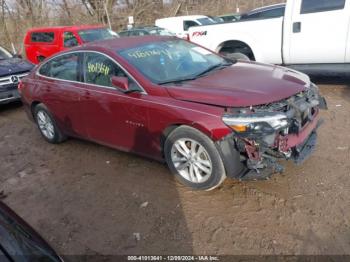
11 80
300 108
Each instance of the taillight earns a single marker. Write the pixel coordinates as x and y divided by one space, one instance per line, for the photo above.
20 87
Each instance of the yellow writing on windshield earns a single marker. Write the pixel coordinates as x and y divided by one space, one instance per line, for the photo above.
98 68
149 53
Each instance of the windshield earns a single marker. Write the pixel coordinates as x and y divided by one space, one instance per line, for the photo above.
91 35
4 54
206 21
172 60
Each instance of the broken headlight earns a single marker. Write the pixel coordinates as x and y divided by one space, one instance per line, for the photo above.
262 123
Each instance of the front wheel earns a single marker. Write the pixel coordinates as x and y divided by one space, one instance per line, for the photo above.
193 158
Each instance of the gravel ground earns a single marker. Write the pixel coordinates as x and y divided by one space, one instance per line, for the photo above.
89 199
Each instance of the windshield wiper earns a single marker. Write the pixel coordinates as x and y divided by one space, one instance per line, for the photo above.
180 80
212 68
177 81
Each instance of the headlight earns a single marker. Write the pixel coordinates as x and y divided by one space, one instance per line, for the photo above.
266 123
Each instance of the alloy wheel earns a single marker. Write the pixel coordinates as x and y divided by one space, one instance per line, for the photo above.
191 160
45 124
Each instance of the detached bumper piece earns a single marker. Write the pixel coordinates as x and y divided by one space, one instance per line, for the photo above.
295 147
304 151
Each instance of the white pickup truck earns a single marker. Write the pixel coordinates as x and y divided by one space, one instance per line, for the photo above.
313 36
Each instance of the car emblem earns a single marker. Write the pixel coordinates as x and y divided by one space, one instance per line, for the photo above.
14 79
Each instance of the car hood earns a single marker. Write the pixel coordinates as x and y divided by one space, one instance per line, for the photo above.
14 66
241 85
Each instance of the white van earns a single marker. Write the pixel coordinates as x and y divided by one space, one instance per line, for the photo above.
179 25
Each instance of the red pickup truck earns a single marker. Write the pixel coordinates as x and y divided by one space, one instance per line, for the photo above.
40 43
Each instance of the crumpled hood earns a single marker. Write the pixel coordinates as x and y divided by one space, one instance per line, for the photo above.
241 85
13 66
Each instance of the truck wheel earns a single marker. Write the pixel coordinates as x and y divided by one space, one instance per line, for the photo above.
193 158
238 56
47 125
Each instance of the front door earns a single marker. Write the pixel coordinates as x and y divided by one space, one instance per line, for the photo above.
112 117
318 33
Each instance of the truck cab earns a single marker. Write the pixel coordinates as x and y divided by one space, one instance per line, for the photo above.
312 36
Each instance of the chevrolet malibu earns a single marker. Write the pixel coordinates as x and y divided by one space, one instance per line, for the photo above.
168 99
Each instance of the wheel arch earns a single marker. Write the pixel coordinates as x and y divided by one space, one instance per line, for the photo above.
170 128
238 44
33 105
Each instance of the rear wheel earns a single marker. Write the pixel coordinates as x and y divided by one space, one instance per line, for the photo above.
193 158
237 50
239 56
47 125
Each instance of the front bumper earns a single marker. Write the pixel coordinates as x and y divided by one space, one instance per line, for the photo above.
9 96
259 163
259 153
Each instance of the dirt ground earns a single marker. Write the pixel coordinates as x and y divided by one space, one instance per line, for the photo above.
89 199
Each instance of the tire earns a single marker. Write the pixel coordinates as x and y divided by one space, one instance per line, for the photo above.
52 134
238 56
208 160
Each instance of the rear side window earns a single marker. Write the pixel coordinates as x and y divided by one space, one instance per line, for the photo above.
63 67
273 13
188 24
42 37
278 12
314 6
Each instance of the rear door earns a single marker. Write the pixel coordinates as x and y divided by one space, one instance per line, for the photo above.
59 82
316 31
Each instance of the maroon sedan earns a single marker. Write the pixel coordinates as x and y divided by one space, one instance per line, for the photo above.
162 97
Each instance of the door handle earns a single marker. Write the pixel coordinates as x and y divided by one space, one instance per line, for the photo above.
297 27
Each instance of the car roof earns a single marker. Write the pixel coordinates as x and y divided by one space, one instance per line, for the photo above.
266 8
73 28
117 44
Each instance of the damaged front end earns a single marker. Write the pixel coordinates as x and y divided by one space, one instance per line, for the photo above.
281 130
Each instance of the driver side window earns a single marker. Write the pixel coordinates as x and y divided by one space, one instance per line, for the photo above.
99 69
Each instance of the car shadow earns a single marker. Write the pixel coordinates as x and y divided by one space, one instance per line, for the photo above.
331 80
10 106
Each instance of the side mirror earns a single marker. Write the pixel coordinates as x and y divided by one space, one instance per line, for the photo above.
121 83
